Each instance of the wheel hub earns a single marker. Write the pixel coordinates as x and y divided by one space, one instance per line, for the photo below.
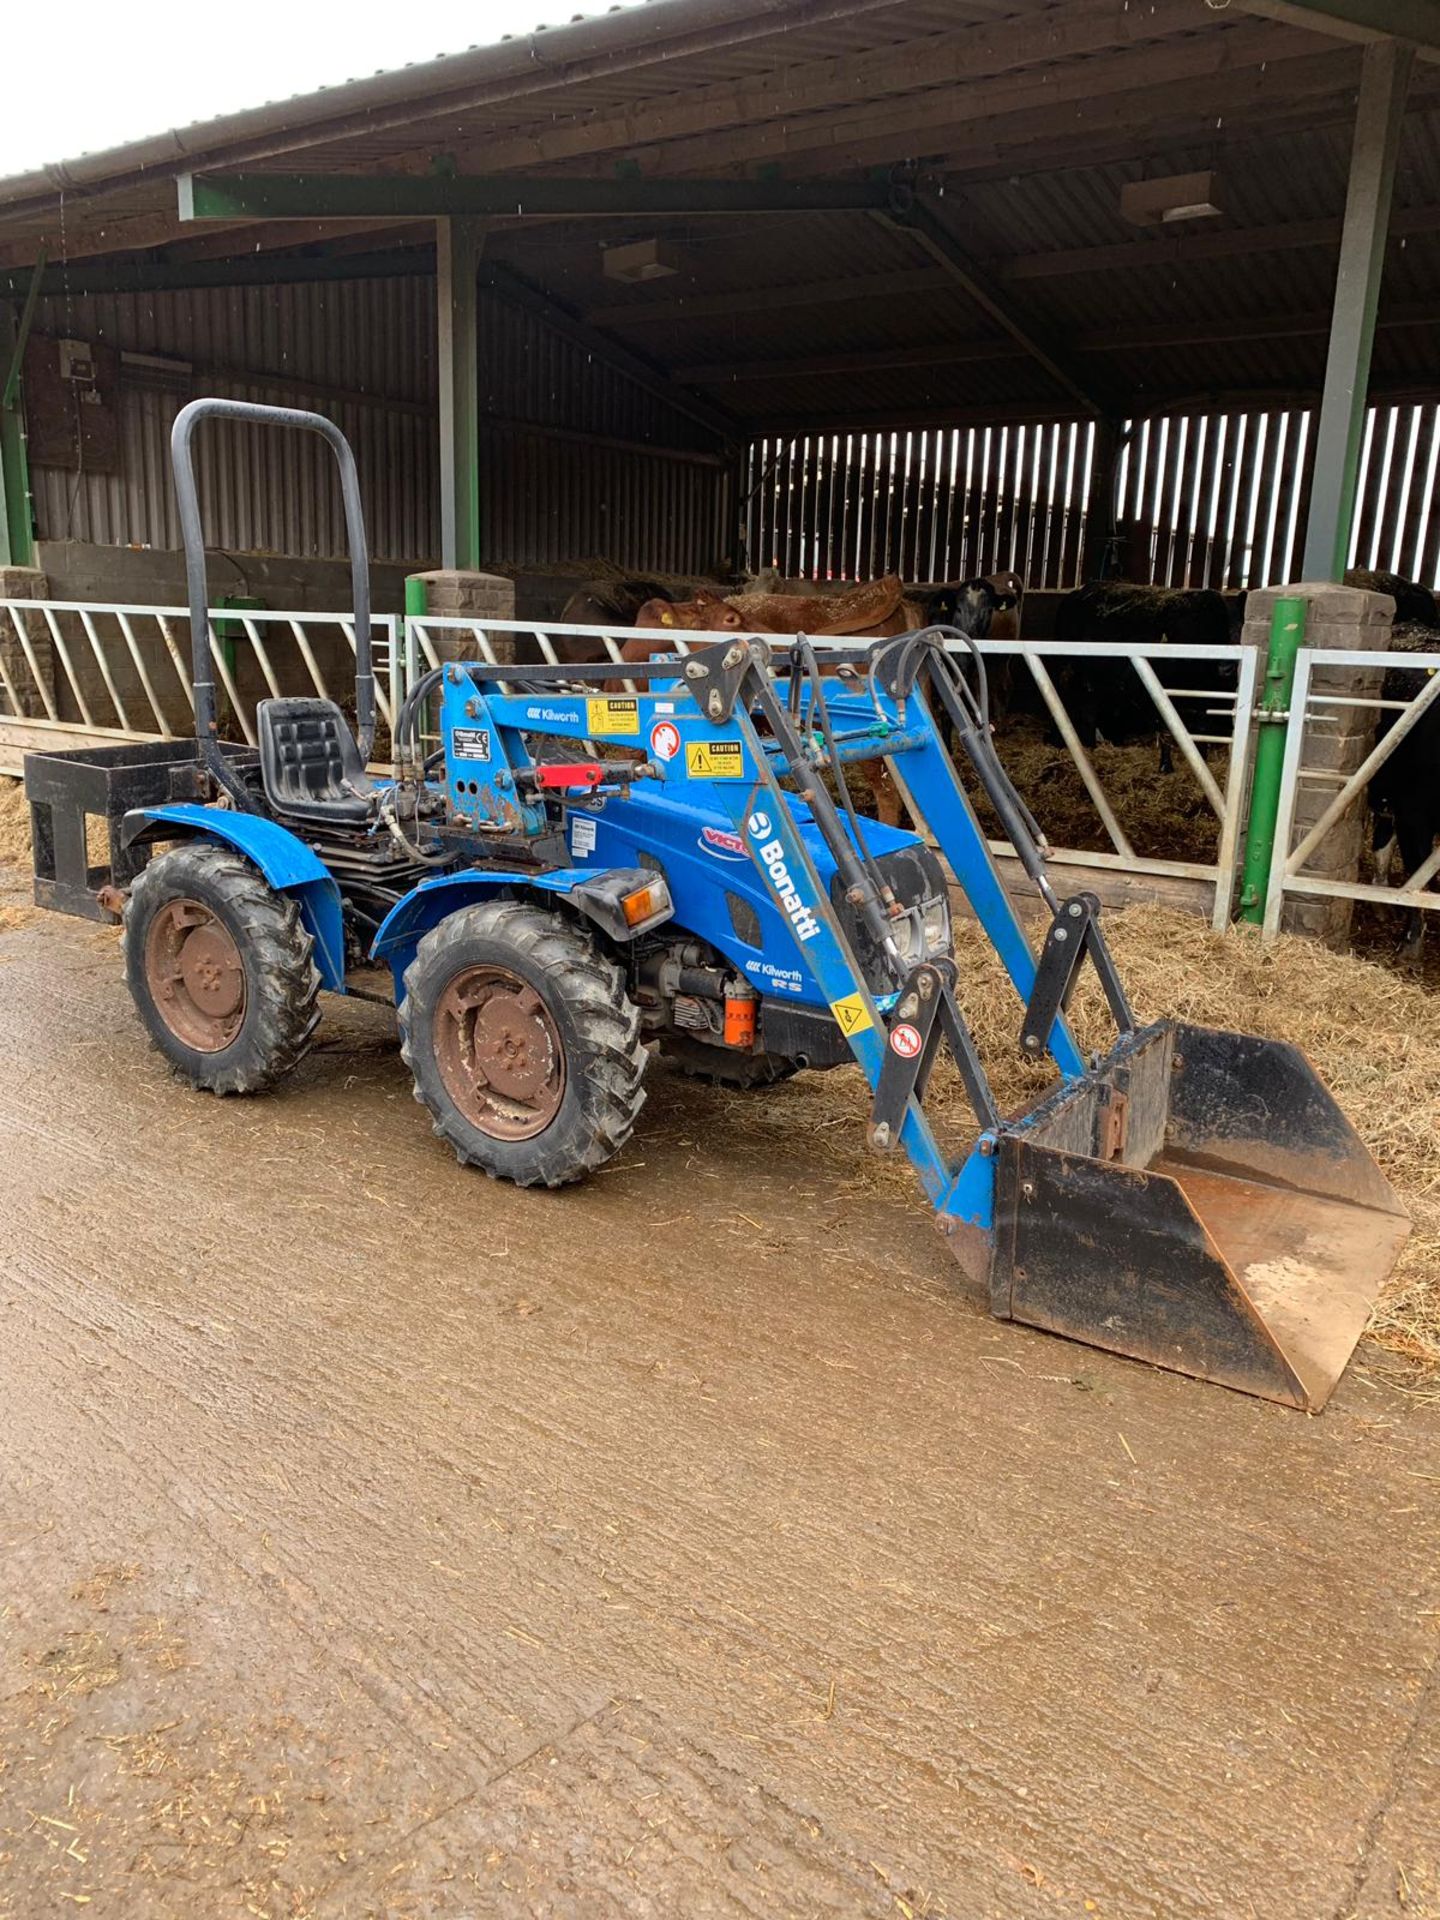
195 975
499 1052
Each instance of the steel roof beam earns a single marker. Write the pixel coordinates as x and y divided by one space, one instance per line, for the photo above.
1138 336
922 224
1416 21
1199 246
1335 459
352 196
250 270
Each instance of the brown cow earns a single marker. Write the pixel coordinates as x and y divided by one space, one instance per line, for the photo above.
868 611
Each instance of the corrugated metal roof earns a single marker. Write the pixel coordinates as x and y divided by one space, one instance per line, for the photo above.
1033 154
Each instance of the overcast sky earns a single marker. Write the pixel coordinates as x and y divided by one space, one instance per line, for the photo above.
102 72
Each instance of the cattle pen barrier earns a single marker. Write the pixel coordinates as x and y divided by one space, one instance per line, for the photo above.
1329 683
74 674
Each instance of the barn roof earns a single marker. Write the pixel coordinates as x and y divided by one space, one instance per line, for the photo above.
942 235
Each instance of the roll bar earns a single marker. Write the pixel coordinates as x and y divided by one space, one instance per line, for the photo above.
186 421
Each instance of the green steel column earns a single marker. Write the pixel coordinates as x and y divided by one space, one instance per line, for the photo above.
1340 430
17 542
1287 630
417 597
458 244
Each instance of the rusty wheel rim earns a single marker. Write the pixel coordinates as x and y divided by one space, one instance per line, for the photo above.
499 1052
195 975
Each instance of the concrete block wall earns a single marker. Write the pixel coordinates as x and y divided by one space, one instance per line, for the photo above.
20 583
1339 619
452 593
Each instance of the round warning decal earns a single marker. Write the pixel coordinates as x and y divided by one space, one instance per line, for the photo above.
664 740
905 1040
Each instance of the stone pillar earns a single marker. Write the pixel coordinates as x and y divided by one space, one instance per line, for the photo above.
1339 618
23 583
451 593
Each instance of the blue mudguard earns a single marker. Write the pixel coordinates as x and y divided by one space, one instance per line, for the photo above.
286 862
435 900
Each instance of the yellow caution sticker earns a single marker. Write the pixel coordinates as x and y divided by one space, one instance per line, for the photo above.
612 716
851 1014
715 760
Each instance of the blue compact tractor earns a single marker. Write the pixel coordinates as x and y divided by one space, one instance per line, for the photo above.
562 876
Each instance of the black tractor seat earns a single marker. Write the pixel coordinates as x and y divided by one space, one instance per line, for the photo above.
311 765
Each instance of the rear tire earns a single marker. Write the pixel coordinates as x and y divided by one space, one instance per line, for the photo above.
219 966
725 1066
523 1043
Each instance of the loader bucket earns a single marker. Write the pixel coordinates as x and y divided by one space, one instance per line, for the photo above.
1198 1201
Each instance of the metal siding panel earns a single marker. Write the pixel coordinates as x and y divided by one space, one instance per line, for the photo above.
271 492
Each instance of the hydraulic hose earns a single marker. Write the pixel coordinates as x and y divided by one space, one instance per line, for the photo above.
819 707
969 712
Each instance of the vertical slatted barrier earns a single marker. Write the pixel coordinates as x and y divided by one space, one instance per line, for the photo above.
1215 500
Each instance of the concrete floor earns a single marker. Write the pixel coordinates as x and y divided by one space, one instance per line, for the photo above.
379 1541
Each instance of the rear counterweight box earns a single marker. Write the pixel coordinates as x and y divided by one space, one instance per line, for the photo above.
67 789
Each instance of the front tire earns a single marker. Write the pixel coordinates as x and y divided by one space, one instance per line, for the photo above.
523 1043
220 968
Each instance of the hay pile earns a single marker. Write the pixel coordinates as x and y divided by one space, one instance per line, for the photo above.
14 825
1165 815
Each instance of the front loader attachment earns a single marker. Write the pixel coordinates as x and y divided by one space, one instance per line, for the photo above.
1193 1198
1198 1201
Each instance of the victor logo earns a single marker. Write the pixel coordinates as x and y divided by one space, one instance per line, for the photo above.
724 846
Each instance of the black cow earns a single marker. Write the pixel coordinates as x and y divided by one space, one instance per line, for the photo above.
987 604
1414 604
602 603
1105 698
1404 793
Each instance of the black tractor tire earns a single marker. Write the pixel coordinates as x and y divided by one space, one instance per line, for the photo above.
523 1043
725 1066
220 968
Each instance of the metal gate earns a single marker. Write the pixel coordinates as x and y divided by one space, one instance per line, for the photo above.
82 673
1228 722
86 673
1411 689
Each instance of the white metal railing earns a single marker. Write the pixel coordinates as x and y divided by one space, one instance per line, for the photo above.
1228 716
592 644
85 672
82 670
1228 713
1309 713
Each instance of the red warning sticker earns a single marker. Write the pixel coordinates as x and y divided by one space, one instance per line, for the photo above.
905 1040
664 740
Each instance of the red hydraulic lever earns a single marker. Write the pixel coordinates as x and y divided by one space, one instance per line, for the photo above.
560 776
